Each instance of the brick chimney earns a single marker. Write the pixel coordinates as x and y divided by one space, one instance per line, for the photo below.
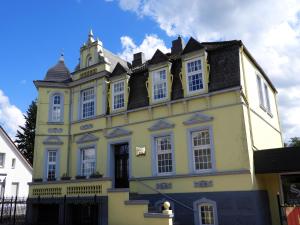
177 46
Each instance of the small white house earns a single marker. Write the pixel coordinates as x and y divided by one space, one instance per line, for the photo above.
15 171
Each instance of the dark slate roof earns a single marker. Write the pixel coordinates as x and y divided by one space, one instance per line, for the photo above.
138 95
191 46
277 160
224 67
119 69
58 73
158 57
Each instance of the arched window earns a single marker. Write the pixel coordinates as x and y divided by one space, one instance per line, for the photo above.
89 61
205 212
56 108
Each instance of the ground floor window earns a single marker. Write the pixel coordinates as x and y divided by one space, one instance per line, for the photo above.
88 161
205 212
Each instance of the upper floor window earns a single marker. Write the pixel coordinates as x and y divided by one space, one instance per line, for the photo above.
118 95
263 94
2 160
88 161
13 163
51 164
88 103
194 75
159 85
202 150
164 154
56 107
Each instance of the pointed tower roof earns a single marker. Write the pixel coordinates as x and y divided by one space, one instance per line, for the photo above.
59 72
90 37
158 57
191 46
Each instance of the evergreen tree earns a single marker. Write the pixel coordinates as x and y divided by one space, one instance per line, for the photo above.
294 142
25 136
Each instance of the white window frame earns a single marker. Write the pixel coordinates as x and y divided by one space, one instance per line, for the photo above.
156 81
194 73
267 98
197 211
164 152
3 160
84 162
51 163
114 94
91 100
192 163
263 94
55 116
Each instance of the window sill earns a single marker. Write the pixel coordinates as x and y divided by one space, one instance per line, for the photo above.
263 108
55 123
270 114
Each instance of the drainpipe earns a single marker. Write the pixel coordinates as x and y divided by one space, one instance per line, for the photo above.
69 132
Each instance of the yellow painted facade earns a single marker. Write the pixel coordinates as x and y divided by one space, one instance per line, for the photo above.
239 126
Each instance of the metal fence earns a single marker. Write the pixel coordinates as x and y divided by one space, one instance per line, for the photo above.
12 211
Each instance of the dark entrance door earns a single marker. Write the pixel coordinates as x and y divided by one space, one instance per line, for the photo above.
48 214
121 166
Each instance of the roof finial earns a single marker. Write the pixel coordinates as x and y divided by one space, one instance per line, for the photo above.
91 37
61 58
91 33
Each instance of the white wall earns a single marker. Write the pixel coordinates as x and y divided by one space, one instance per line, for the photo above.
21 174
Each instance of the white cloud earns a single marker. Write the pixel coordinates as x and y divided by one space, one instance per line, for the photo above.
270 29
10 115
148 46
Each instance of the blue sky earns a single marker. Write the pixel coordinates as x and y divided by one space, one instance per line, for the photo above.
34 33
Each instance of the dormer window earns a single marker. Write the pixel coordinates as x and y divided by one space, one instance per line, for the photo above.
56 108
159 85
118 95
194 76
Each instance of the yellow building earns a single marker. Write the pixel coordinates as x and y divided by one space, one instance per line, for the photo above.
116 139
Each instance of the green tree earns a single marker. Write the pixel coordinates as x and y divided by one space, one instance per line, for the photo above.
294 142
25 136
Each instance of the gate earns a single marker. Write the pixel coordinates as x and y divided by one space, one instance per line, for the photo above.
12 211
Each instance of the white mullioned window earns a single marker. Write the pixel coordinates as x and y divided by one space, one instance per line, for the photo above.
202 150
88 103
207 214
51 164
260 91
266 92
118 95
164 154
88 161
263 94
194 76
2 159
159 85
56 108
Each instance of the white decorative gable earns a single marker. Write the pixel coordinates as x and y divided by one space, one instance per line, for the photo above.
86 138
118 132
52 140
198 118
160 125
